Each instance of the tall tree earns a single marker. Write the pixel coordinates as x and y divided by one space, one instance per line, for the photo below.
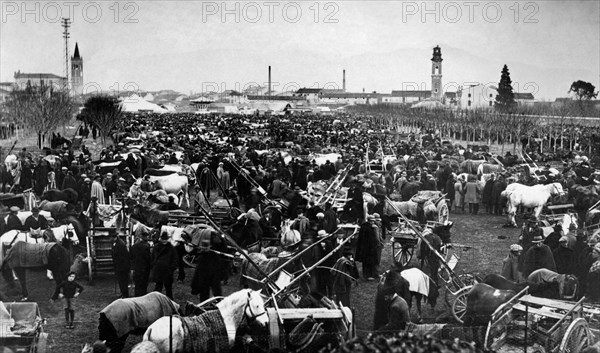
104 112
40 109
583 91
505 99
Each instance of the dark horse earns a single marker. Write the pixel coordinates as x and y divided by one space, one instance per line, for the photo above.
438 236
25 255
68 195
58 141
544 289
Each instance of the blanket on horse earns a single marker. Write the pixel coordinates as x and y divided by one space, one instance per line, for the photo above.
28 255
417 280
129 314
205 333
544 275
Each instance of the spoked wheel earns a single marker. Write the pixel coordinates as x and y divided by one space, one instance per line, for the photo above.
459 306
468 280
190 260
404 254
576 338
443 212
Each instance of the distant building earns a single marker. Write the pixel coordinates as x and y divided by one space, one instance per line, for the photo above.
5 89
524 99
480 96
406 97
76 73
436 74
330 97
312 95
22 80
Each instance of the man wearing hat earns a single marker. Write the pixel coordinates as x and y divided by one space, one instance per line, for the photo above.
120 257
164 262
592 289
552 240
36 222
366 249
141 262
564 257
510 264
13 222
538 256
60 176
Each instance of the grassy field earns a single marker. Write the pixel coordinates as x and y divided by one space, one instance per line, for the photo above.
480 231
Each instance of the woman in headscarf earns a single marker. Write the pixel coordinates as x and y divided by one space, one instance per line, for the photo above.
51 184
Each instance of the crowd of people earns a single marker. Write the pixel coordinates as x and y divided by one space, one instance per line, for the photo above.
252 160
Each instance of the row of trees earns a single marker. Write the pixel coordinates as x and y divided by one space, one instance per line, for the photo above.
42 109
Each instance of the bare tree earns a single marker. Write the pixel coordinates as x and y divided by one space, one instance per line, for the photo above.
104 112
40 109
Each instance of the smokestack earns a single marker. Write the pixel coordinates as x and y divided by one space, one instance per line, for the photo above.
344 80
269 91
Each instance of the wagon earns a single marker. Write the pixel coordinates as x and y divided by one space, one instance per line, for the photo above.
404 241
21 328
542 325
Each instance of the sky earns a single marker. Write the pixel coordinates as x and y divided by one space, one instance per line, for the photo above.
204 46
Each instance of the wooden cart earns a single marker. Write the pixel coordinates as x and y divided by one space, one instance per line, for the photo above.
30 336
540 325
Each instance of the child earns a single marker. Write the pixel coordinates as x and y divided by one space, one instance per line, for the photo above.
69 290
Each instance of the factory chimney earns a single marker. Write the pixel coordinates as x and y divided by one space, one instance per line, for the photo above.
269 89
344 80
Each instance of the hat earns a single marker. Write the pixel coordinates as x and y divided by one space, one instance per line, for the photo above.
35 209
126 168
164 236
537 239
64 168
71 273
84 175
563 239
321 233
516 247
370 217
109 174
377 216
320 215
87 180
15 209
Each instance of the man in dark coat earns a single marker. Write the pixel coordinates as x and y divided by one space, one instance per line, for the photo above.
449 190
12 220
496 199
69 182
486 197
410 189
211 269
120 256
330 221
592 289
26 175
366 250
60 176
538 256
164 262
141 263
35 221
552 240
564 258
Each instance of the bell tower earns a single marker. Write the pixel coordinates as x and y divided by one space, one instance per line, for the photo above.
76 73
436 74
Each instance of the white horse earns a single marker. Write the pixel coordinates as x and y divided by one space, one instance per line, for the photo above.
529 196
245 304
173 184
567 221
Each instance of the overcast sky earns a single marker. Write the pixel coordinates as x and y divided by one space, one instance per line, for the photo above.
383 45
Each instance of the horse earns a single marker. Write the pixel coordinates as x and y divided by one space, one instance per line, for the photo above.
567 223
173 184
482 301
567 284
132 316
58 209
529 196
68 195
56 234
421 287
542 289
21 256
212 331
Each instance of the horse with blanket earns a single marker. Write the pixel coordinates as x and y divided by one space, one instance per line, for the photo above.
23 256
212 331
132 316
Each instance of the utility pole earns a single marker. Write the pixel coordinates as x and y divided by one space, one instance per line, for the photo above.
66 24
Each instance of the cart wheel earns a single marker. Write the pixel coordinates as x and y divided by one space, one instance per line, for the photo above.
576 338
189 260
459 306
404 255
42 343
467 279
443 212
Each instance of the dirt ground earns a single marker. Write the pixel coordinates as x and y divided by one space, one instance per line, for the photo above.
480 231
